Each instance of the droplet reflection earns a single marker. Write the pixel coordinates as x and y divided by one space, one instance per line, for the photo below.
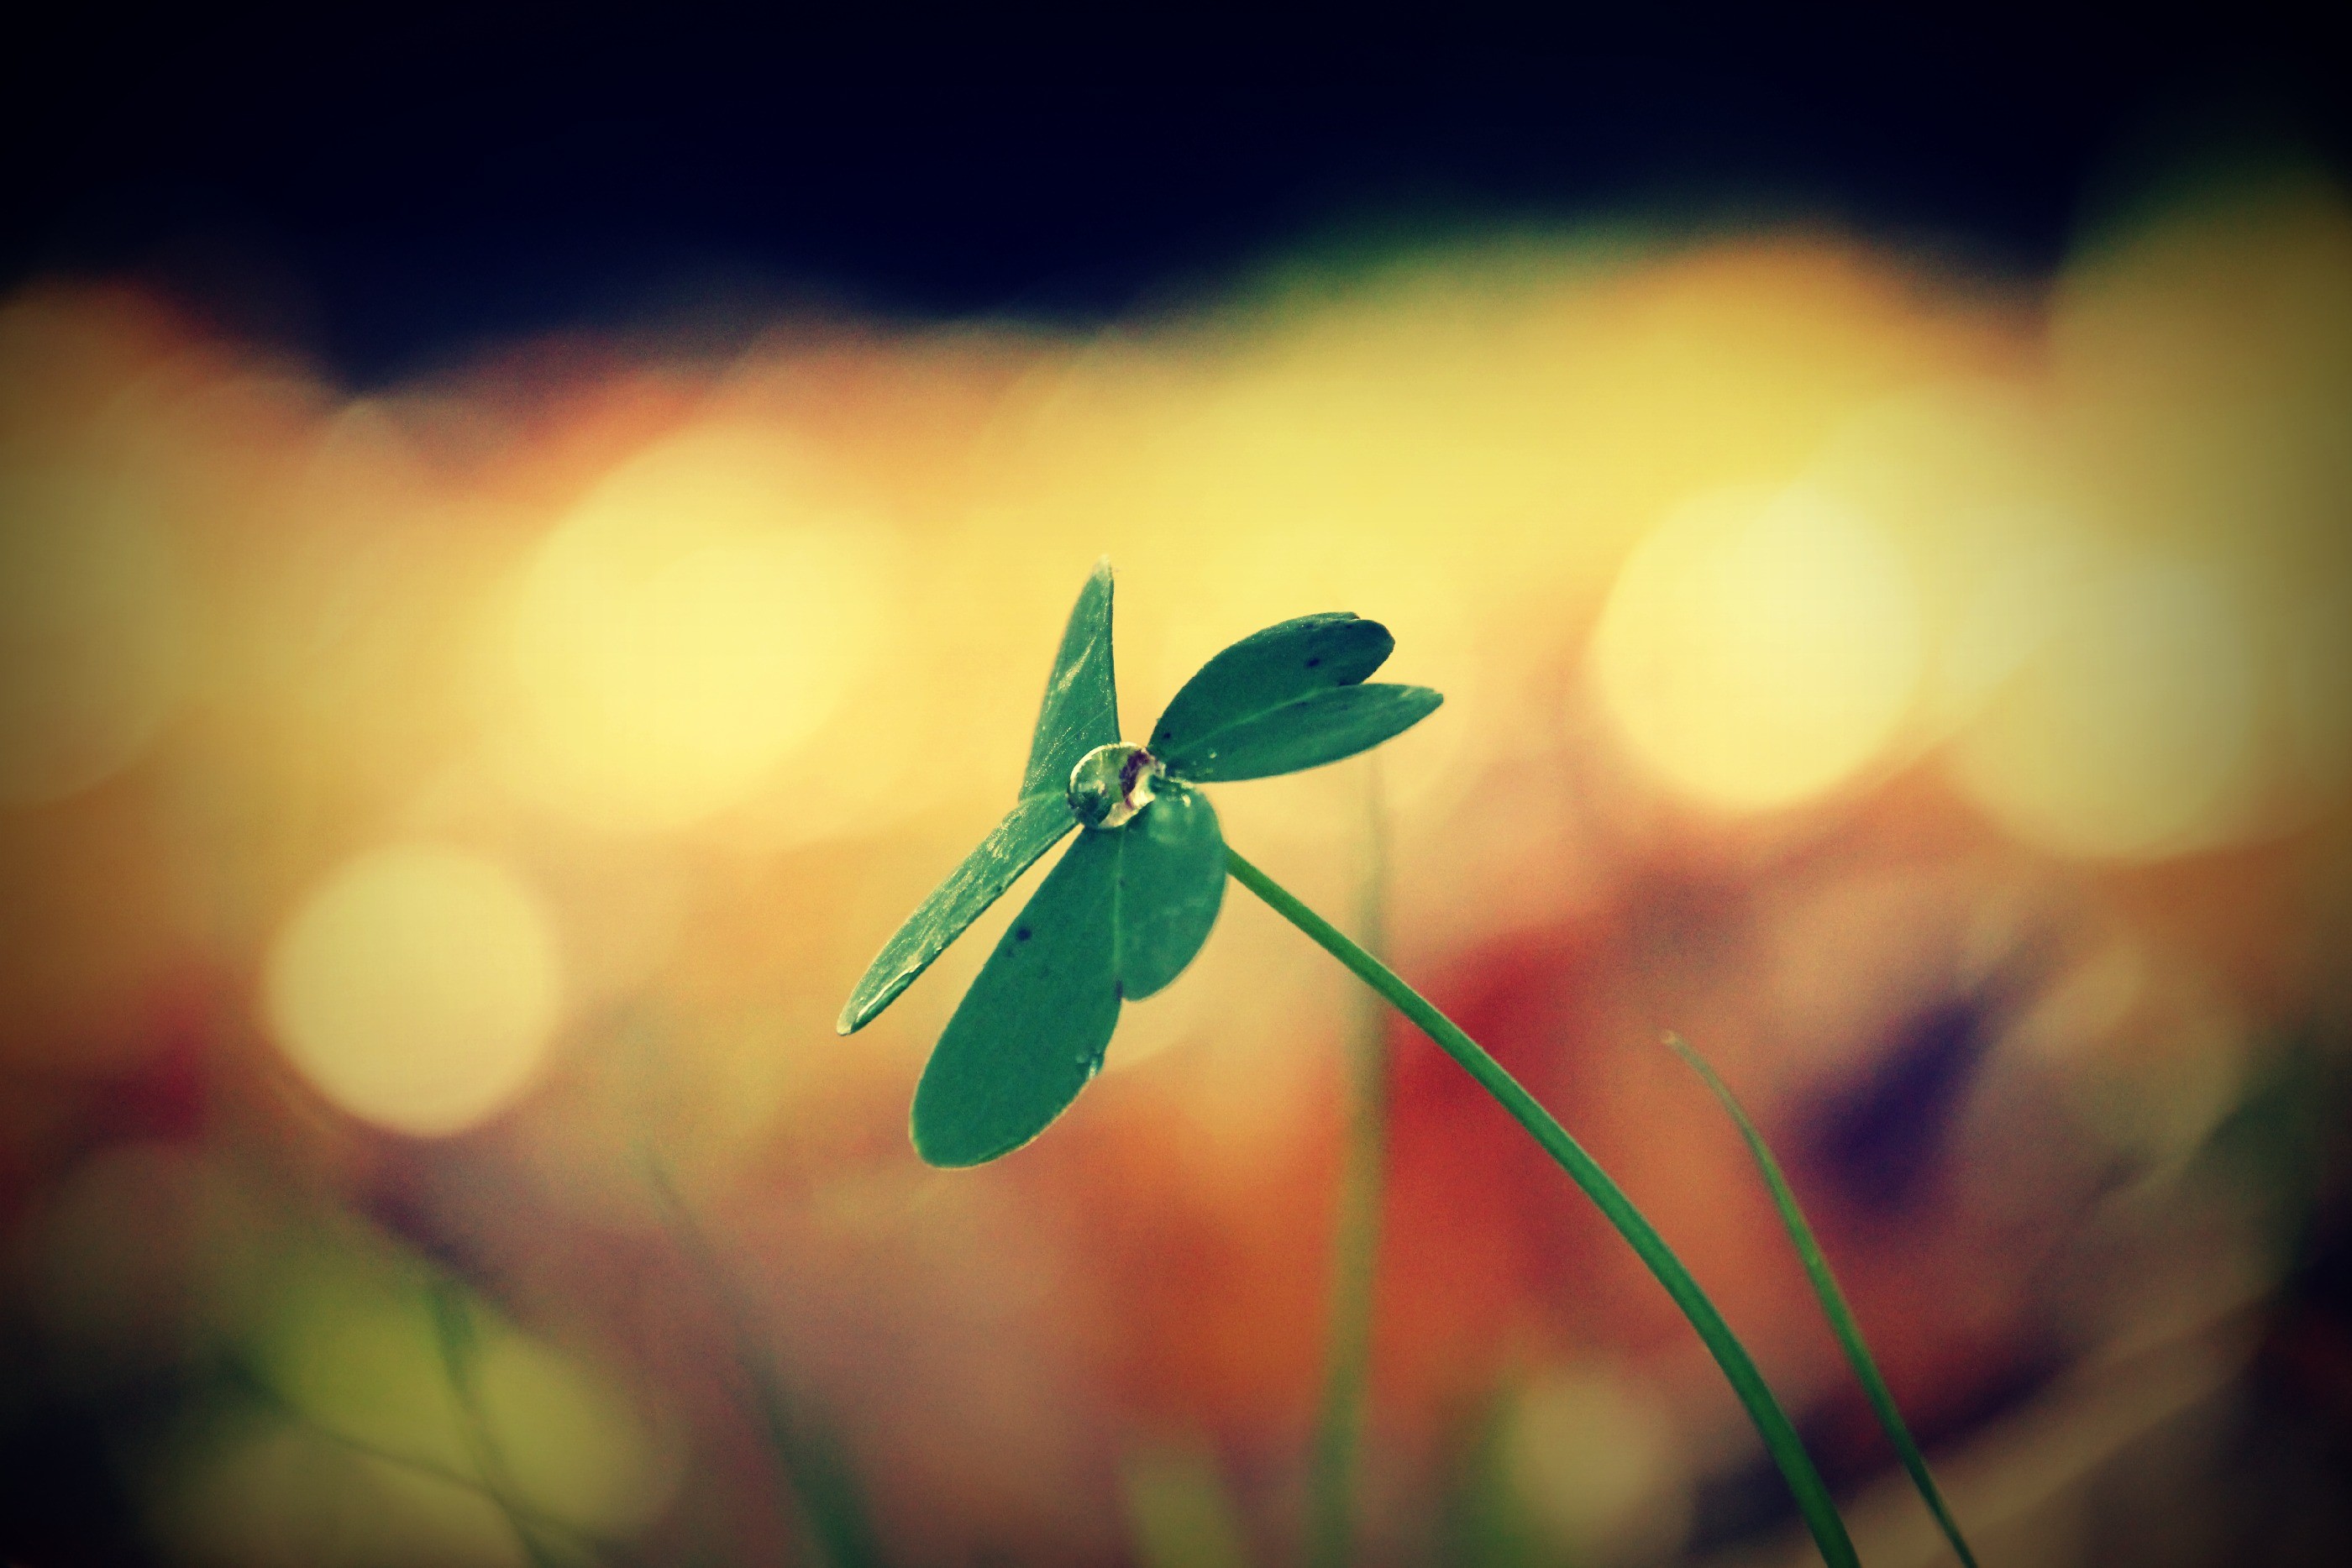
1112 783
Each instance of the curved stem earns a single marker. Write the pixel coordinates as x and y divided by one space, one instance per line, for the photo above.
1772 1424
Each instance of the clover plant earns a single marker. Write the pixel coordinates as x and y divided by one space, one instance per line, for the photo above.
1134 899
1132 902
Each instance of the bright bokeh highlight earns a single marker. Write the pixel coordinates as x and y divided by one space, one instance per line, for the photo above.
695 619
1758 650
1595 1465
2132 733
417 988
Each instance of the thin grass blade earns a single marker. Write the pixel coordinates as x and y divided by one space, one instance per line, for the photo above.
1772 1424
1833 1302
1032 1030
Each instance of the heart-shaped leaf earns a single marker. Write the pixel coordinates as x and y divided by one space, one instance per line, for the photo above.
1027 831
1081 708
1032 1028
1266 670
1121 915
1172 881
1306 732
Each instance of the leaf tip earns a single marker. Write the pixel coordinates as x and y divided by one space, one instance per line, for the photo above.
866 1004
941 1155
859 1009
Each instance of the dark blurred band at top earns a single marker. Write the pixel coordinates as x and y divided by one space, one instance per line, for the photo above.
384 191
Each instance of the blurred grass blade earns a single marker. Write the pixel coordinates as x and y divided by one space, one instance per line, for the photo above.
808 1457
1266 670
1034 826
1081 708
1032 1030
1484 1519
1178 1513
455 1336
1834 1302
256 1387
1303 732
1772 1424
1170 884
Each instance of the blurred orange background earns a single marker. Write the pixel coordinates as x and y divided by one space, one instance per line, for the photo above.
439 826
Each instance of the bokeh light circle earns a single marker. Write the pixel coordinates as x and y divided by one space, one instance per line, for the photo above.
1591 1458
1757 650
2132 733
693 621
417 989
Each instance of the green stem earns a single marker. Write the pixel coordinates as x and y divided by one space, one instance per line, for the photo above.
1835 1305
1339 1427
1772 1424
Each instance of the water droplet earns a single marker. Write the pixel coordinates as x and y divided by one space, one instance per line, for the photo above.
1111 784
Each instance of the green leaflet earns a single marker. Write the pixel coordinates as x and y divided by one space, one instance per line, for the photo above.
1286 698
1027 831
1306 732
1080 711
1265 670
1032 1030
1081 708
1172 881
1120 916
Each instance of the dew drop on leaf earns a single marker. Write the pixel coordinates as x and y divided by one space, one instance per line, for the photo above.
1112 783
